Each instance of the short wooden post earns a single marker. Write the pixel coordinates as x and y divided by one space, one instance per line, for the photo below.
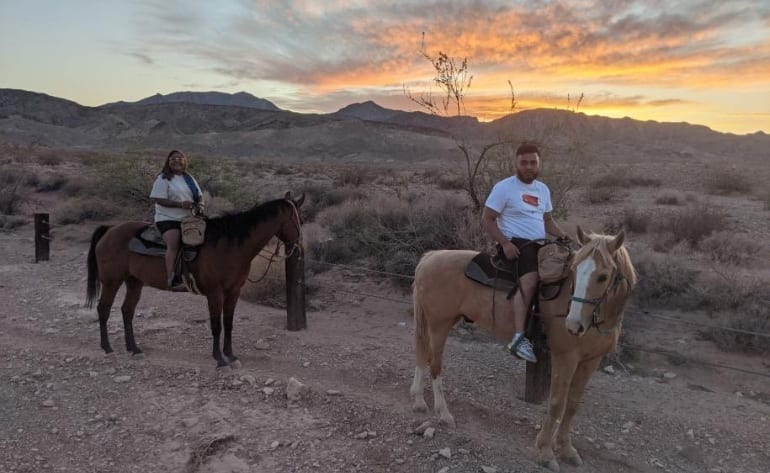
42 237
538 377
295 291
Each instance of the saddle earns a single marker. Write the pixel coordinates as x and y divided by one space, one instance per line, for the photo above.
492 271
497 273
148 241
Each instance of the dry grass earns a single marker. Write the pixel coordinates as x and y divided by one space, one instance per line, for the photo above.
631 220
693 223
669 198
732 249
727 181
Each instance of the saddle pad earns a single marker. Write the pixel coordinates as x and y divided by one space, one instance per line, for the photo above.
483 270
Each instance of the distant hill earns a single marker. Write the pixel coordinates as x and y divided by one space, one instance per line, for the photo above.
240 99
359 133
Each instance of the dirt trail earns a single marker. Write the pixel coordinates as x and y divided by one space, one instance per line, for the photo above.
68 407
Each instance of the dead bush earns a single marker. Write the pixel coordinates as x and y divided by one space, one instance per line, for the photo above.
355 176
730 248
9 222
727 181
620 177
632 220
389 234
663 280
322 196
80 210
693 224
52 183
269 286
50 158
668 198
451 182
601 195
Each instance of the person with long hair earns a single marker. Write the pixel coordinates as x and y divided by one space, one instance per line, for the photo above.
175 194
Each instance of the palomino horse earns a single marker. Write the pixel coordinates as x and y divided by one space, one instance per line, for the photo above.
220 269
603 278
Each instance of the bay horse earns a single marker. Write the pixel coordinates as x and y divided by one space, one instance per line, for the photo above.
602 276
220 269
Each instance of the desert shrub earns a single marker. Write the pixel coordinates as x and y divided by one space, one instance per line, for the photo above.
600 195
451 182
9 222
283 170
730 248
355 176
663 280
389 234
322 196
11 197
727 181
51 183
622 178
79 210
693 224
13 175
124 181
50 158
766 200
668 198
269 287
631 220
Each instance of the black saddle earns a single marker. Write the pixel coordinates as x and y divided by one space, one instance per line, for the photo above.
148 241
494 272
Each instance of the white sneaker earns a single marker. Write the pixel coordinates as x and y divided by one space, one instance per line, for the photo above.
521 347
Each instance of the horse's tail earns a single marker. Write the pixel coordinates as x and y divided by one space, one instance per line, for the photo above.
421 332
92 284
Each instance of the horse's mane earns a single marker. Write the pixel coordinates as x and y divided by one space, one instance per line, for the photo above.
621 261
237 226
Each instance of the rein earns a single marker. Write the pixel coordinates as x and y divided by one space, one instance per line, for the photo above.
288 253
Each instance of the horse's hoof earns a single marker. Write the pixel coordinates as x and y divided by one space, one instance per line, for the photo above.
447 420
236 365
420 406
137 356
552 465
572 460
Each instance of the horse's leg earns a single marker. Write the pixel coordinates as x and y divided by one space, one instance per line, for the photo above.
109 289
422 355
133 293
438 338
562 370
215 300
563 441
231 299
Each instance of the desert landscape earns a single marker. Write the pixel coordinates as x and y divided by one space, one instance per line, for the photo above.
687 391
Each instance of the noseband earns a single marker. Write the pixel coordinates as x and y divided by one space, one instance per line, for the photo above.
597 302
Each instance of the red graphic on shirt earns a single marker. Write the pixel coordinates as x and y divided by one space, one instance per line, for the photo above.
530 199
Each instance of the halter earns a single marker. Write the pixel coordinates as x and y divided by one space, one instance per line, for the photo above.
597 302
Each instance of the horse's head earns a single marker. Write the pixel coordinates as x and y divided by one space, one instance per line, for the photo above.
290 232
600 268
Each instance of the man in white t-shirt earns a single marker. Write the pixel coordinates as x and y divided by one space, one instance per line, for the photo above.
517 211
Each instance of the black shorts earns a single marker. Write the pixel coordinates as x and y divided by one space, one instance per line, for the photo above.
166 225
527 260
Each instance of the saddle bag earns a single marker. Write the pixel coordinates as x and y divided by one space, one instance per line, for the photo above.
193 230
553 262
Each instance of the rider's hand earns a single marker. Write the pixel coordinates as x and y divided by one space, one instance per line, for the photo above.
510 250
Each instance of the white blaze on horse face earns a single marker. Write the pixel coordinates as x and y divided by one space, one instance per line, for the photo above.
583 274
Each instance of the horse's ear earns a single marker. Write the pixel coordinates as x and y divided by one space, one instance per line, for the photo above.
583 239
300 201
616 242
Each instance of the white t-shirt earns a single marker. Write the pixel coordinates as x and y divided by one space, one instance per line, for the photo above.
175 189
521 207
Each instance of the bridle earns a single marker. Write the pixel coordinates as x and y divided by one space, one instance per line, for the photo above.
597 302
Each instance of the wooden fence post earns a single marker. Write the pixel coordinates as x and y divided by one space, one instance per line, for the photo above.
538 377
42 237
295 291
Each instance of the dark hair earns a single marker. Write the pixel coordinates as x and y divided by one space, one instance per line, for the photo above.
166 172
527 148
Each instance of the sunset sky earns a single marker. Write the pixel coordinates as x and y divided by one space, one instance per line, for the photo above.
699 61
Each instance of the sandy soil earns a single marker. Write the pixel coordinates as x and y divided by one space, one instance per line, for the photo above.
65 406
